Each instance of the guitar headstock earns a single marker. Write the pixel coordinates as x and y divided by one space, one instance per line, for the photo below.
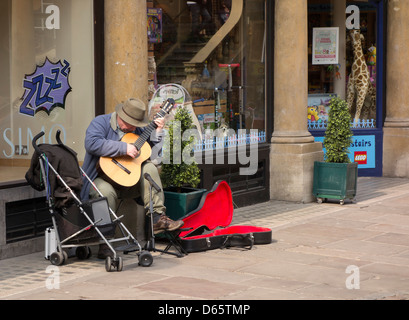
168 105
165 108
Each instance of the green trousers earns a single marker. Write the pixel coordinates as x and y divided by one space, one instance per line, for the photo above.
140 190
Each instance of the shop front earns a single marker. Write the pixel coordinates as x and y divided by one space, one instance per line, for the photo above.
345 36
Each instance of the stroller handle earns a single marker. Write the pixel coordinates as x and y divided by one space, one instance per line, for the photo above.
38 136
57 137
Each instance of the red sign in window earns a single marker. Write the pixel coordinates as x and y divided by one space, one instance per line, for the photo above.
361 157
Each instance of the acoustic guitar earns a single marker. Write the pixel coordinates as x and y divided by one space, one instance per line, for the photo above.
124 170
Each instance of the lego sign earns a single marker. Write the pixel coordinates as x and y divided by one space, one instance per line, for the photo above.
361 157
362 150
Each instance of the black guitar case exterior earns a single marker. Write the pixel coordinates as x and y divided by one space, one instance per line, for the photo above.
208 227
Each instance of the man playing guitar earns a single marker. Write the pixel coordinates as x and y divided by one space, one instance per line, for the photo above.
105 139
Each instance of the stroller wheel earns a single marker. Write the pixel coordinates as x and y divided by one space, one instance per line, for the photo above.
83 253
57 258
108 264
145 259
120 264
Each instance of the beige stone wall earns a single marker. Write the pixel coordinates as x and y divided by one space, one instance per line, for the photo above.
126 52
396 127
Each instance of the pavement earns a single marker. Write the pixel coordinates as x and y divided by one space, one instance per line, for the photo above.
328 251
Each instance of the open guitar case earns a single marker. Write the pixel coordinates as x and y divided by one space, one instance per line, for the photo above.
208 226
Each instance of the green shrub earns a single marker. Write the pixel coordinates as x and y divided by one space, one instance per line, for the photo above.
179 174
338 136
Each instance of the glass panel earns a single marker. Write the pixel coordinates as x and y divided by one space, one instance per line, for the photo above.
47 81
216 51
342 60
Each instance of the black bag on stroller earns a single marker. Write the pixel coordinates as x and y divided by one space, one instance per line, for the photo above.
65 162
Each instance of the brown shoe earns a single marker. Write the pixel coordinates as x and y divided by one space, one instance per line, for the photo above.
166 224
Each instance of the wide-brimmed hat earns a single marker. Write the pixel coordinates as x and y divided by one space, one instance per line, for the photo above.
133 112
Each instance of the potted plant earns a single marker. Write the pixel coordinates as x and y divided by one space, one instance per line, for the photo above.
180 178
336 177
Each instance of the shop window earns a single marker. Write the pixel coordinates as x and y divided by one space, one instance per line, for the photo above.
47 83
217 54
334 51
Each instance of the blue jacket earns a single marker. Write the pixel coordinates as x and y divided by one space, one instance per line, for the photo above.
102 140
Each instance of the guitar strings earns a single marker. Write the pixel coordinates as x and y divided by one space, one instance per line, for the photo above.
148 130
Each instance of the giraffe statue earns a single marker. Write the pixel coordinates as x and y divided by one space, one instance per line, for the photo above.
359 83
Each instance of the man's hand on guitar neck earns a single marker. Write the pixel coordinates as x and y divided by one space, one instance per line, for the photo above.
160 122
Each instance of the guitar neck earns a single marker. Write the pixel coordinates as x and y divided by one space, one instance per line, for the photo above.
147 131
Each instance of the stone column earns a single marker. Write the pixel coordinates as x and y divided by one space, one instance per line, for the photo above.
396 127
126 70
293 150
126 52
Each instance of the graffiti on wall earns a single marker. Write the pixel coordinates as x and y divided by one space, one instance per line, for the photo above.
46 88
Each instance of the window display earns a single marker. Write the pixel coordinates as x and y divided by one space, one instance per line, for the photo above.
353 75
222 66
47 83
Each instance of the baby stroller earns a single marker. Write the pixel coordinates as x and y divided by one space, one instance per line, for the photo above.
55 169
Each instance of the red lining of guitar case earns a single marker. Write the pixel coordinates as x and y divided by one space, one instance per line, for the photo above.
216 210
